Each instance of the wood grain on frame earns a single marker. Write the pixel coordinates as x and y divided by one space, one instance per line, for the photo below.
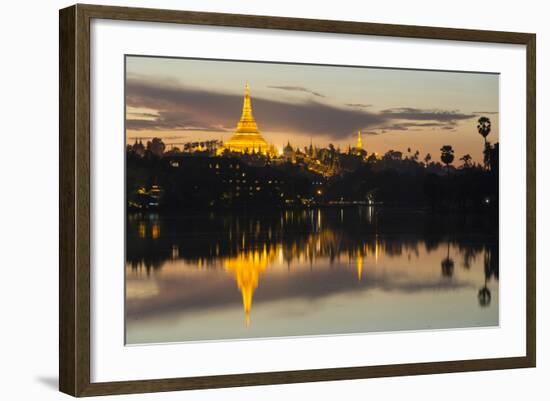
74 199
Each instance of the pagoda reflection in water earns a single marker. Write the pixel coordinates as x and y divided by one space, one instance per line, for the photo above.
248 266
248 247
219 275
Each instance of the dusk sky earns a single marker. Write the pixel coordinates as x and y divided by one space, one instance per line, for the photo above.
186 100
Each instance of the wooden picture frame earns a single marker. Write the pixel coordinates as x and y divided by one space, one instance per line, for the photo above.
74 204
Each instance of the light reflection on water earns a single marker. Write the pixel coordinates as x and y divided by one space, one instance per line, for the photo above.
307 272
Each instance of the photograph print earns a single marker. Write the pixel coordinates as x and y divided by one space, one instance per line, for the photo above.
269 200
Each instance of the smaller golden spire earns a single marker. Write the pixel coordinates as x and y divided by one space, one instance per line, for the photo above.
359 144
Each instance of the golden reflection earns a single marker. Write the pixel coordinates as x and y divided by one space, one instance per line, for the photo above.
141 229
247 265
155 231
246 268
376 249
359 266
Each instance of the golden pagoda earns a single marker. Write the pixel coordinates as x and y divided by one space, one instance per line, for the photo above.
247 137
358 149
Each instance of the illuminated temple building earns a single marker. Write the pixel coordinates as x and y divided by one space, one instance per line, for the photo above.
247 137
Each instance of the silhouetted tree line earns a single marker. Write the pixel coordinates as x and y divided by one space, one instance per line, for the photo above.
200 180
205 182
411 183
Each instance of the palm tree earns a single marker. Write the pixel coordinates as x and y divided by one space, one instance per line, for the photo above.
447 155
484 295
428 158
447 264
484 128
467 161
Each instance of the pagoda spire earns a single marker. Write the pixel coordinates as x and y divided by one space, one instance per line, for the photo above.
359 144
247 124
247 135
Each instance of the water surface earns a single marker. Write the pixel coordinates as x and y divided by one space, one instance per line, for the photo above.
216 275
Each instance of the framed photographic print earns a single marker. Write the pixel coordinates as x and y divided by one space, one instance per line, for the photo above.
251 200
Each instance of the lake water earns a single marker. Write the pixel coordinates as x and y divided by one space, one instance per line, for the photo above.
220 275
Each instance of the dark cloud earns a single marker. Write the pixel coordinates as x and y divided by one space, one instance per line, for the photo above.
183 108
362 105
171 120
159 125
297 89
186 108
411 113
485 112
169 137
412 126
143 115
